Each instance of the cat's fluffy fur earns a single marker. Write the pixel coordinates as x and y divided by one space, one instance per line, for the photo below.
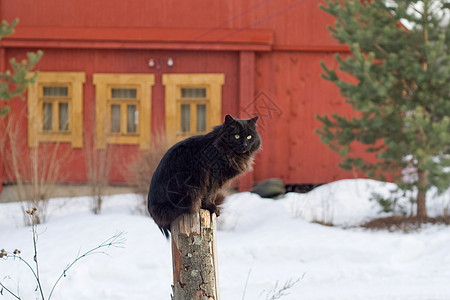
192 173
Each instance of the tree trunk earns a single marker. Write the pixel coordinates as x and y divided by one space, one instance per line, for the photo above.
194 257
421 195
422 174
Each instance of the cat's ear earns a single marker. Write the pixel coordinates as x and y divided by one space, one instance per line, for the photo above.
252 121
228 119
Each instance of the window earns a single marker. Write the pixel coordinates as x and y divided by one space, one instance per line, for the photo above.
55 101
192 100
55 108
123 105
123 109
193 104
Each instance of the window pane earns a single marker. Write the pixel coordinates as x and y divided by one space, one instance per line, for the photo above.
63 116
115 118
193 92
131 118
185 117
56 91
124 93
47 116
201 117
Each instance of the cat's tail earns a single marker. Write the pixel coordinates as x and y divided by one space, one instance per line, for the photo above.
165 231
164 215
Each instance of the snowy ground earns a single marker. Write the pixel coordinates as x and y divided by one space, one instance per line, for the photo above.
266 243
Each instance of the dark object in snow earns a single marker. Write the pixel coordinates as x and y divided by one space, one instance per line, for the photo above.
301 188
192 173
403 223
269 188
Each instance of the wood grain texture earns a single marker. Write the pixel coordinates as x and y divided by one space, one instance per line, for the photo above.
194 257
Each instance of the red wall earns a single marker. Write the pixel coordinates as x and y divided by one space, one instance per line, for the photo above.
130 61
295 22
282 70
292 149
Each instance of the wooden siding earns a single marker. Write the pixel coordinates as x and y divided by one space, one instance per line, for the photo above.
292 150
295 22
129 61
269 52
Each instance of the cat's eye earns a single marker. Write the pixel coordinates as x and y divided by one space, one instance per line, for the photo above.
237 136
249 137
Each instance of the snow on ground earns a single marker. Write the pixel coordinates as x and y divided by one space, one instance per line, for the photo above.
262 243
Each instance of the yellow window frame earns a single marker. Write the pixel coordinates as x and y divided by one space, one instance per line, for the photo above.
173 84
104 83
74 82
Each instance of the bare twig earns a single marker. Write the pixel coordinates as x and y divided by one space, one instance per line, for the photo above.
8 290
144 166
16 255
246 282
35 171
98 165
116 241
35 257
279 292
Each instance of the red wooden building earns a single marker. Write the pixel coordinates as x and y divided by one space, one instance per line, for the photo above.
115 74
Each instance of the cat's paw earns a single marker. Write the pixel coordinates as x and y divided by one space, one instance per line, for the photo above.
214 210
217 211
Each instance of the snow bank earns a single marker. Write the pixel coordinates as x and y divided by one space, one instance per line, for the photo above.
262 240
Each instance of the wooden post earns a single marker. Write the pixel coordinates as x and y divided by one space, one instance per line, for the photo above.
194 257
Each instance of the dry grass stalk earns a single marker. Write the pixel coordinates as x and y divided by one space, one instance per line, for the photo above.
35 171
145 165
98 166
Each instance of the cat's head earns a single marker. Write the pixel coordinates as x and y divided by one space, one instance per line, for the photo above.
240 135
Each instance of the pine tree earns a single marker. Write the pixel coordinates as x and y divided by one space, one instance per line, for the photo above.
400 91
14 84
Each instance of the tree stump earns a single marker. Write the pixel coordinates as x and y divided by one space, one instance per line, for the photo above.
194 257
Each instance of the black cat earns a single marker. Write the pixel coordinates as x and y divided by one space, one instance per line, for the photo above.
191 174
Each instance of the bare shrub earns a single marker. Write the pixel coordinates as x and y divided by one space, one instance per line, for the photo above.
98 165
144 166
279 291
35 171
309 209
